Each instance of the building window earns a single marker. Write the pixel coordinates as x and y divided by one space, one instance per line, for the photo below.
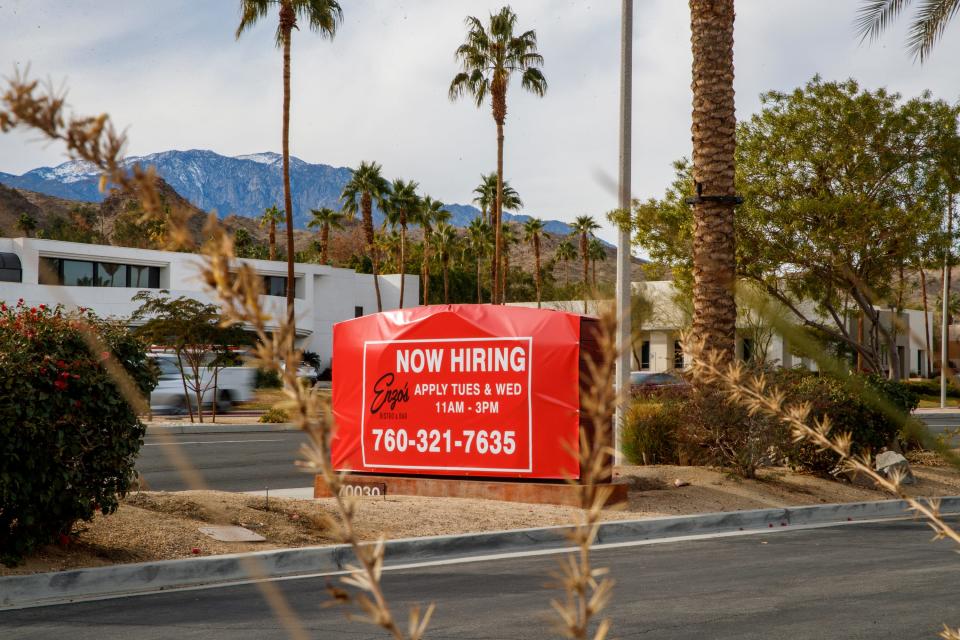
83 273
677 355
357 312
645 355
747 349
10 270
275 285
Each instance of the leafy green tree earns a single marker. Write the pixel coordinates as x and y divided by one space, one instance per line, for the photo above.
271 218
444 241
842 187
325 219
488 58
402 208
533 233
927 27
194 331
321 16
479 242
585 226
26 224
366 186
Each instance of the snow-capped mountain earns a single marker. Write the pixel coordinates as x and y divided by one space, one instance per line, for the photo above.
244 185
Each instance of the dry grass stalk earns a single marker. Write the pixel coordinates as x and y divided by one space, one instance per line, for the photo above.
588 589
753 392
94 140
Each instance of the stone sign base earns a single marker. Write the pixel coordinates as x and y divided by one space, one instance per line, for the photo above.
483 488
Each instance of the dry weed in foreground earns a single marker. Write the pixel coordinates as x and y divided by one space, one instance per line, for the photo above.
238 287
588 589
753 392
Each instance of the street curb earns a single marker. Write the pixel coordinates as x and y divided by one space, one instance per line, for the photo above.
43 589
200 429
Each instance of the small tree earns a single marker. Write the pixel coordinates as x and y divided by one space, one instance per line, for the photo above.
26 224
193 331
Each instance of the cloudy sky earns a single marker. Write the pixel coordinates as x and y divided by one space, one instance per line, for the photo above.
173 74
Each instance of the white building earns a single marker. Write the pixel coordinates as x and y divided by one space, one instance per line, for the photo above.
105 278
657 344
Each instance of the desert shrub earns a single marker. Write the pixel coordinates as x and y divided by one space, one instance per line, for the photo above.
267 379
726 434
870 408
68 438
275 416
650 431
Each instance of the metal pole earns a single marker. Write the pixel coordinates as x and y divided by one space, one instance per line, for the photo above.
944 327
624 292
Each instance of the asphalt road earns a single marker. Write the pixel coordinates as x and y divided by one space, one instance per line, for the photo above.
856 581
226 461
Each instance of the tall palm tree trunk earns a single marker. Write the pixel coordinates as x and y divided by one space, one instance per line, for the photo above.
498 214
366 206
479 294
403 260
926 312
536 259
273 240
325 243
503 278
425 269
287 22
586 269
714 142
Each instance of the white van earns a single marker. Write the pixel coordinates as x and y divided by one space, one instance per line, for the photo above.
234 384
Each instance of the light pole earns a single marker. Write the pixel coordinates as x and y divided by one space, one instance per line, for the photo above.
944 327
624 292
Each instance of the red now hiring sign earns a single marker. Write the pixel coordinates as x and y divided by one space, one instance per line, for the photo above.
458 390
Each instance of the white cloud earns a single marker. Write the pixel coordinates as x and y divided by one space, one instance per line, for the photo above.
174 73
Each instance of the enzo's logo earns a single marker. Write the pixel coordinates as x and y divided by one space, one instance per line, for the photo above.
384 394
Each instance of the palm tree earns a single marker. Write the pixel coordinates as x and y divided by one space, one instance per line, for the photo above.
565 251
532 233
713 128
596 252
322 16
509 238
489 56
478 239
928 26
585 226
431 212
325 219
444 239
400 210
388 244
271 218
487 196
365 187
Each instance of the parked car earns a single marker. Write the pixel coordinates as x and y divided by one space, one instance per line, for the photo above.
649 381
234 384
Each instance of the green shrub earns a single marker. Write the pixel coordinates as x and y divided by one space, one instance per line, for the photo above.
932 388
267 379
275 416
68 438
649 432
870 408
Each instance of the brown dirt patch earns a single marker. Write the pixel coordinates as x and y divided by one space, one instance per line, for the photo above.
160 525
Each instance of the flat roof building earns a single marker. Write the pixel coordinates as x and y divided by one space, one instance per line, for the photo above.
105 278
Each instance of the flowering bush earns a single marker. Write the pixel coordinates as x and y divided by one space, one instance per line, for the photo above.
68 437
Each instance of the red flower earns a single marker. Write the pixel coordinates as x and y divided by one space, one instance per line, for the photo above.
75 376
61 364
43 371
63 539
59 385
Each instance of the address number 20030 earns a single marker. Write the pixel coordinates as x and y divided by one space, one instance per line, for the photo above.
442 441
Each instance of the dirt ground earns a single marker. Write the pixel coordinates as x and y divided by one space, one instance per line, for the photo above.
160 525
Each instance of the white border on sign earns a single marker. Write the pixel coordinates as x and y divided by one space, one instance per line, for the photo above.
363 414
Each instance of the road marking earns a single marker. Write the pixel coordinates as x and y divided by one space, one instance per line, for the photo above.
172 444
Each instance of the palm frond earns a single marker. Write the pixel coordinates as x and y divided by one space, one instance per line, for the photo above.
874 16
251 12
929 25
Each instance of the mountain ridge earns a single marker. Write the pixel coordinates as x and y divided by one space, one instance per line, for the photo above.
243 185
